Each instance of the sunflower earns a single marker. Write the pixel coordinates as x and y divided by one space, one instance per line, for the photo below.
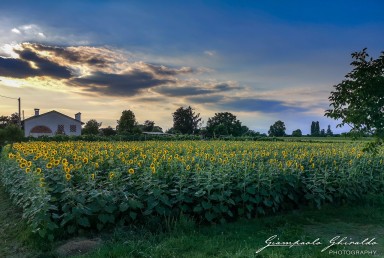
131 171
27 170
49 165
38 170
68 176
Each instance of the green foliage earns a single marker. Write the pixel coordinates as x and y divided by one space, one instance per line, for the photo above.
127 123
91 127
252 184
109 131
4 120
12 133
224 123
148 126
358 101
277 129
186 121
315 128
297 133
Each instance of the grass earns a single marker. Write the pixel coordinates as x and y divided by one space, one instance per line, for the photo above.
239 239
15 237
243 238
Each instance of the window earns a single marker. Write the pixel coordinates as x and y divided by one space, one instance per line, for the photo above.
60 129
72 128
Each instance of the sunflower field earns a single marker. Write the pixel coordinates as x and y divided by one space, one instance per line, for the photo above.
71 187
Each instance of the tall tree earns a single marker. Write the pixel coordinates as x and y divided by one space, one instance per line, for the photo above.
358 101
127 122
186 121
148 126
91 127
277 129
329 131
315 128
297 133
224 123
109 131
14 118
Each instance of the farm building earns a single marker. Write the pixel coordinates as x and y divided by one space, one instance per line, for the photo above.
52 123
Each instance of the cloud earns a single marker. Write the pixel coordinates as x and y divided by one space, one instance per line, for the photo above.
22 68
16 68
29 30
210 52
206 99
83 55
200 88
17 31
126 84
259 105
163 70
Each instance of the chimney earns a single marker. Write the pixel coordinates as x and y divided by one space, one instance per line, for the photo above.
37 111
78 116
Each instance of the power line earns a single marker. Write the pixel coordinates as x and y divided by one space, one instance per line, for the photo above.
7 97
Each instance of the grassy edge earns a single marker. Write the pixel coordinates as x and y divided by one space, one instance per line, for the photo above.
244 237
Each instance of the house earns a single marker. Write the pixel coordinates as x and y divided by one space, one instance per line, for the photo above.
52 123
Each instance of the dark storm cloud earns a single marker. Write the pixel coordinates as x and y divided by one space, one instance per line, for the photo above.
16 68
44 66
126 84
185 91
73 56
259 105
20 68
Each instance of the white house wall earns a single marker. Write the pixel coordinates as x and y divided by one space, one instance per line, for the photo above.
52 120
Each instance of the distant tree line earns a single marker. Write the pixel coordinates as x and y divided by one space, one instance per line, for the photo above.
186 121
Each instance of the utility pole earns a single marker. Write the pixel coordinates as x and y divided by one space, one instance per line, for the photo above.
19 100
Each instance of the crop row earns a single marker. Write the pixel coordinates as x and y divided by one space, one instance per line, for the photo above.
75 186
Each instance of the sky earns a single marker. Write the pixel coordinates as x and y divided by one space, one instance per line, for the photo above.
263 61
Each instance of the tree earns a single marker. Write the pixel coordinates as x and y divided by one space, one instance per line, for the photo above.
109 131
297 133
224 123
277 129
329 131
91 127
4 120
186 121
148 126
322 132
11 133
315 128
127 122
14 119
358 101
